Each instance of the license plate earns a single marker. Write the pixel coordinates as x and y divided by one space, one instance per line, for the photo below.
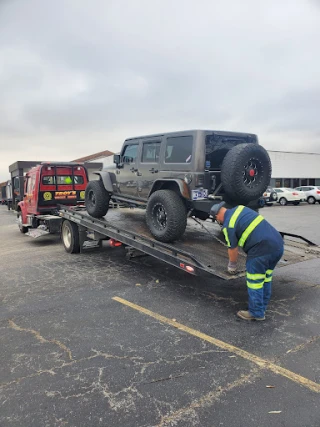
199 194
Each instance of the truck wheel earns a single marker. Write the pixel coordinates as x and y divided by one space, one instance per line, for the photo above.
21 227
246 172
166 215
97 199
70 237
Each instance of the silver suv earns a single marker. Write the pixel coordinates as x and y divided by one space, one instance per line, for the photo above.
312 193
174 175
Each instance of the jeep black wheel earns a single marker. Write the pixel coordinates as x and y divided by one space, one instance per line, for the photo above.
245 172
97 199
166 215
70 237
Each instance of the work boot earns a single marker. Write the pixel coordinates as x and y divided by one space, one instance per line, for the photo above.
246 315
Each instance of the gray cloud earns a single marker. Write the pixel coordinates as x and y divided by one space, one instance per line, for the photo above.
78 77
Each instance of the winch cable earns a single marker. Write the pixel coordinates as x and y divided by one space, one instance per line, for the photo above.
212 235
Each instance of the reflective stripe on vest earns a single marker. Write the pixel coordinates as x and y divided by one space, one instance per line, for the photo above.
225 232
249 230
235 215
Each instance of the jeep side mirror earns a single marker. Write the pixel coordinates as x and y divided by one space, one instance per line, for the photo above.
116 159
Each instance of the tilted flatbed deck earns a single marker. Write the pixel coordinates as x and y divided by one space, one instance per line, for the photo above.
197 252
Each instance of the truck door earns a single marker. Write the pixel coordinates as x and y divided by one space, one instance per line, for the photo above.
128 173
30 198
148 166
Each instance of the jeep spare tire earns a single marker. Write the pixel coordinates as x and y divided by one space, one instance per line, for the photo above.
97 199
245 172
166 215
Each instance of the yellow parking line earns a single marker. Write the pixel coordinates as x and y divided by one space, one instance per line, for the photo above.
262 363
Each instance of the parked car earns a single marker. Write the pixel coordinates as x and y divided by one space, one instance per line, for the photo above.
177 174
289 195
270 196
312 192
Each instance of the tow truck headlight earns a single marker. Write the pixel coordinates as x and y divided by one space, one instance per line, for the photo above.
188 178
82 195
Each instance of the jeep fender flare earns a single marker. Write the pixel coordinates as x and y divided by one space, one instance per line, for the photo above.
169 183
106 179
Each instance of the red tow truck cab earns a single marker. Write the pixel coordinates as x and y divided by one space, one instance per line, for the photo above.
47 186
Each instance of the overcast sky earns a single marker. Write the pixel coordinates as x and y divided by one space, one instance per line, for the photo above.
79 76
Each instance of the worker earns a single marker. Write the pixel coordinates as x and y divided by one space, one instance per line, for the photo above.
263 244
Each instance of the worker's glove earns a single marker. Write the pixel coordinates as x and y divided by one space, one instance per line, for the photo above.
232 267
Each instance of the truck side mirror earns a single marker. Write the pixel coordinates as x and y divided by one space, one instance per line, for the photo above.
116 159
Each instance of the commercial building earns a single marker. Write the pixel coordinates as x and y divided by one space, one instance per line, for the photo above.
290 169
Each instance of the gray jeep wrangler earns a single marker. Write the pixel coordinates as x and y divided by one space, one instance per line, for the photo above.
178 174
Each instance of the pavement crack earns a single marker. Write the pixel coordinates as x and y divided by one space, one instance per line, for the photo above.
303 345
40 338
36 374
171 377
190 411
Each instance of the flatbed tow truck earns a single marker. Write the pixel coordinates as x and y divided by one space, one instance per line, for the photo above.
200 251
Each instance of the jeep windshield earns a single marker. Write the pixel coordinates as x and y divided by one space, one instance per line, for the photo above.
218 144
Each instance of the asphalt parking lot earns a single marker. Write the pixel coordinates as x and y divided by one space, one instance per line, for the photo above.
97 340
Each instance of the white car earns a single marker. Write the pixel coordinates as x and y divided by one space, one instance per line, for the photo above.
289 195
312 192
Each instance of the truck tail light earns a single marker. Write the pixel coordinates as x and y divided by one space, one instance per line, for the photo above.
188 268
114 243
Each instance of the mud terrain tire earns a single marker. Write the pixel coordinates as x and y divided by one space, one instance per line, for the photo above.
97 199
166 215
245 172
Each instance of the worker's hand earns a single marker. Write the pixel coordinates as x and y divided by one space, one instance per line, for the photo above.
232 267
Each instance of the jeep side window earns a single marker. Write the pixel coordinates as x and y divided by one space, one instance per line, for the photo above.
179 149
150 152
130 153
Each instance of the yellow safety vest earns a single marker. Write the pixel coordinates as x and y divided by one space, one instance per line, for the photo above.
247 231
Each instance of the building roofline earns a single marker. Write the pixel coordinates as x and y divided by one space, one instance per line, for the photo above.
292 152
96 156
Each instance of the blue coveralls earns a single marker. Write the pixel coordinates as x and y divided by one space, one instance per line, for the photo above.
263 245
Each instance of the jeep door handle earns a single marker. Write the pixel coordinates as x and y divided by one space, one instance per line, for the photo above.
136 171
153 170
